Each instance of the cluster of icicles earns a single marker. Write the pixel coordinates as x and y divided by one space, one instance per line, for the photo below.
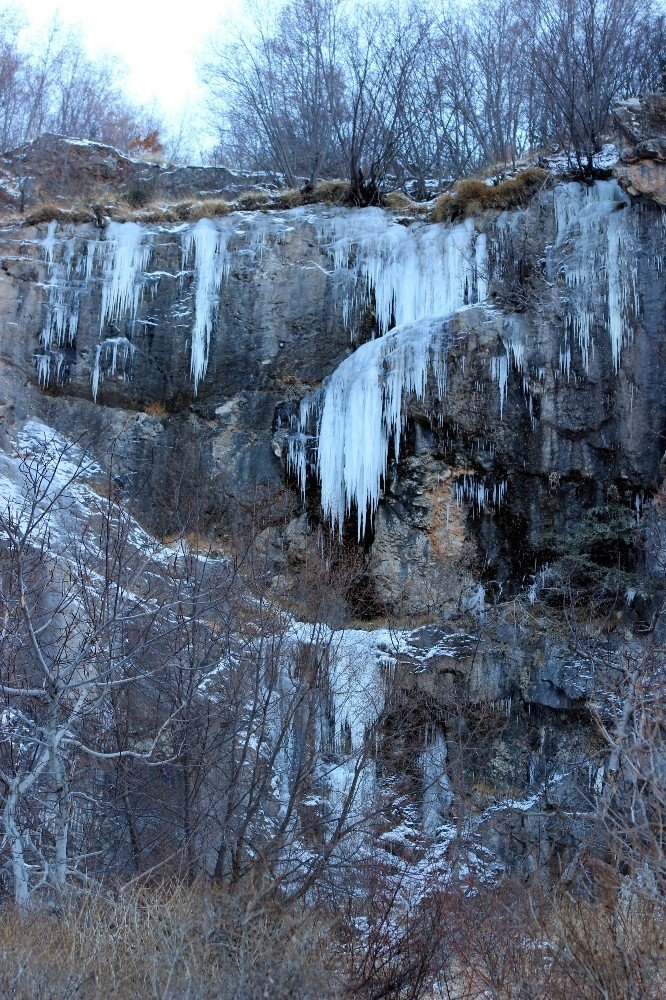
123 256
415 278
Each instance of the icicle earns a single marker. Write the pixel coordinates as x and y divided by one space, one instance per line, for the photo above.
126 259
591 235
499 372
119 348
211 264
411 272
481 255
49 242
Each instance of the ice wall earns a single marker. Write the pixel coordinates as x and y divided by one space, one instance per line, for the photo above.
407 272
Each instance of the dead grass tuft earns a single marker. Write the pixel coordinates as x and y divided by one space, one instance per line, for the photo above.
473 196
252 200
208 209
291 198
334 192
396 201
50 212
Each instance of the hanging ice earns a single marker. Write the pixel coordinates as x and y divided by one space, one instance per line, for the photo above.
126 255
109 353
437 792
360 415
410 271
211 265
594 245
61 320
418 276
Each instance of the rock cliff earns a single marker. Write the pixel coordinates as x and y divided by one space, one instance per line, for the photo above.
444 400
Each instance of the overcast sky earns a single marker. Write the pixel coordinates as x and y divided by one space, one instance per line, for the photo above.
158 41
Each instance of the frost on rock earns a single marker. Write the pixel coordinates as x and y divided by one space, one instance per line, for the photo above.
595 249
212 263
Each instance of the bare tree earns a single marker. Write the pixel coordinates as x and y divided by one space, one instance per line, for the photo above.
271 90
587 54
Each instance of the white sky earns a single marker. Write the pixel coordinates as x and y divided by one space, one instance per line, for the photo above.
158 41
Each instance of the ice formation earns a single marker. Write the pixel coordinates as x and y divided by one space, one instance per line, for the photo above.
360 416
418 277
410 272
126 256
108 355
67 275
211 264
593 240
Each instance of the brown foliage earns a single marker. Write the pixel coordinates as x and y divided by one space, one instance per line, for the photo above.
51 212
253 200
167 941
331 193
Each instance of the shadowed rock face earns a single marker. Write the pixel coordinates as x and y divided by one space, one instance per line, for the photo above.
554 382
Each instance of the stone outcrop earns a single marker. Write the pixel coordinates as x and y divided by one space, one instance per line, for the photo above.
641 169
55 167
202 360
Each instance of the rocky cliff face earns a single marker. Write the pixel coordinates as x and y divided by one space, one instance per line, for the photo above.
445 399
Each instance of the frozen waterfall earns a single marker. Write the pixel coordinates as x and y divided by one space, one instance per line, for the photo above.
410 272
418 276
594 249
126 255
211 265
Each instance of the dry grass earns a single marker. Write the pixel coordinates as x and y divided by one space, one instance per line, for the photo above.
334 192
250 201
156 409
291 198
51 212
469 198
210 208
169 941
473 196
400 203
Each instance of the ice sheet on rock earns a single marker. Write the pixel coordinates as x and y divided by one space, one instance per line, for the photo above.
594 247
212 263
67 274
437 795
411 272
126 252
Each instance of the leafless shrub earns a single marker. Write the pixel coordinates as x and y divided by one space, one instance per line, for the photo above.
167 940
